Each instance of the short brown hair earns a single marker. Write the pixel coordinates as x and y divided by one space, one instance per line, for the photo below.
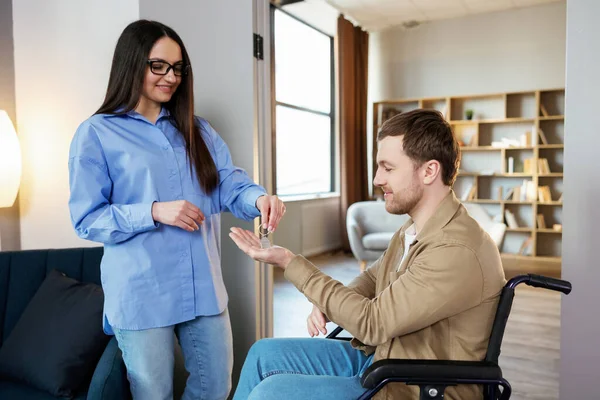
427 136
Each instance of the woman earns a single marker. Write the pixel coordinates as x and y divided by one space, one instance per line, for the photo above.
149 180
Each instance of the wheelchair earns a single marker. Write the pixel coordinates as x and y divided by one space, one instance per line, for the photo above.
433 376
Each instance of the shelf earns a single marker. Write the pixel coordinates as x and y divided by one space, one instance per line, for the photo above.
484 201
499 174
549 231
518 148
531 258
480 148
507 120
519 229
493 148
492 201
491 121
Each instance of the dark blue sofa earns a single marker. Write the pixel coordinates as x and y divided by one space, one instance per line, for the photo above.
21 274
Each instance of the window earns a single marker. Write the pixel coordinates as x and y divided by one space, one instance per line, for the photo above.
304 119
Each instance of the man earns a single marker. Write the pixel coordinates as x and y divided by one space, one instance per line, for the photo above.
432 295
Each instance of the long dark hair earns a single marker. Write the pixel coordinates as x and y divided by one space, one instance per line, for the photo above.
125 89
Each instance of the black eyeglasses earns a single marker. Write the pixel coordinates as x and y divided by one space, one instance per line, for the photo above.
159 67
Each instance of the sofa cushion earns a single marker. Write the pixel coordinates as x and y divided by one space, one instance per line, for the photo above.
377 241
13 390
58 340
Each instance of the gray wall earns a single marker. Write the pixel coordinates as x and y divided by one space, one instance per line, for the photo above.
9 217
518 49
218 37
580 324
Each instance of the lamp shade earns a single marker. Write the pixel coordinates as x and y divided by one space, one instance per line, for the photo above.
10 161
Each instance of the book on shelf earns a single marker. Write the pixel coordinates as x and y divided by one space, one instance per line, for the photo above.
469 193
544 195
543 166
526 139
525 249
528 165
541 222
542 136
516 193
511 221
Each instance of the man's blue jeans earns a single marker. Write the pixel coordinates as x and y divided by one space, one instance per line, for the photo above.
300 369
206 344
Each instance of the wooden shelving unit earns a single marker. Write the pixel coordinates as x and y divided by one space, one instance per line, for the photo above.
514 139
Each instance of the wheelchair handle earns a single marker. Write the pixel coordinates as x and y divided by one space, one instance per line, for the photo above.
542 282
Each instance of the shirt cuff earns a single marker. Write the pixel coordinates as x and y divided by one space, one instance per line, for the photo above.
250 196
140 216
299 271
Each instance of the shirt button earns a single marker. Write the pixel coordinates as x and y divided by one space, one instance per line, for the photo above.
184 254
165 147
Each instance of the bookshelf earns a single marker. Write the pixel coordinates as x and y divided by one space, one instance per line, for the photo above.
511 162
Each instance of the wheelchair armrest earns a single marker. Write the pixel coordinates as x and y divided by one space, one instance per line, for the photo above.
430 371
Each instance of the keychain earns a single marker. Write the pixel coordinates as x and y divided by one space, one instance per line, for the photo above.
264 239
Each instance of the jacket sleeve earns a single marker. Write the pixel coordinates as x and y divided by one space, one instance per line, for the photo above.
92 215
365 283
443 281
237 192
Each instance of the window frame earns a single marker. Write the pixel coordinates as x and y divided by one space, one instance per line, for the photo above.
332 113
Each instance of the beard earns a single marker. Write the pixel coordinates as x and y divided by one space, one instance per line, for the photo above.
405 201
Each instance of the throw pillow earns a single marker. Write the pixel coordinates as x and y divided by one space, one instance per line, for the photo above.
58 339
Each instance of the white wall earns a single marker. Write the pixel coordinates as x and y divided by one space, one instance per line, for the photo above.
63 52
580 325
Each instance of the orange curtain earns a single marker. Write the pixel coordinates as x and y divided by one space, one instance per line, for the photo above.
352 56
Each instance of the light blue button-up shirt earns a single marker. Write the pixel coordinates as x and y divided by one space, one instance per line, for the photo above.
153 274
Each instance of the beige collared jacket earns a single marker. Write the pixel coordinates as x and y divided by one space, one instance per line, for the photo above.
439 304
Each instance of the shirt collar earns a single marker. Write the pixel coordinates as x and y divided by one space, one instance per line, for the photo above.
443 214
164 113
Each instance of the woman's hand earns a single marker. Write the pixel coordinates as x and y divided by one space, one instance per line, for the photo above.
180 213
250 244
271 210
316 322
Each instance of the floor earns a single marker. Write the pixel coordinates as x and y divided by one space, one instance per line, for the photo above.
530 352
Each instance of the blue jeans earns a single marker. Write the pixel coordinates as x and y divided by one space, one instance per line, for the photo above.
207 348
300 369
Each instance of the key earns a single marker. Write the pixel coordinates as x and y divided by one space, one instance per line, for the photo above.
264 243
